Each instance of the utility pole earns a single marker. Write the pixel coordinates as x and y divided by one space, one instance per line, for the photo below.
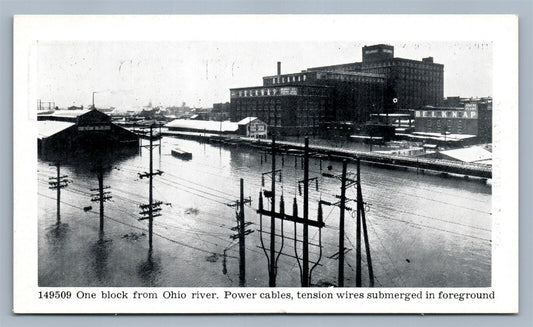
341 225
241 232
242 256
101 196
345 183
57 183
271 255
361 209
272 272
358 232
305 250
305 221
152 209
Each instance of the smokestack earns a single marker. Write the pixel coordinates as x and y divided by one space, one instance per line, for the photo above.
279 67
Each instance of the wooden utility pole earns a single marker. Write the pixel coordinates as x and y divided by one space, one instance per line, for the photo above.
361 209
101 196
242 256
305 249
358 237
272 272
345 183
152 209
341 225
241 232
57 183
58 187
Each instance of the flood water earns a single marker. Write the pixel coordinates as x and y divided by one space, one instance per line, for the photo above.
423 230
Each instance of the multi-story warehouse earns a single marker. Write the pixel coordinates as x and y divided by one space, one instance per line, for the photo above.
289 109
302 102
412 83
473 117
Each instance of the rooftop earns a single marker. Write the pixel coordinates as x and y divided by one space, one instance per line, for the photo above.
471 154
246 120
204 125
47 128
66 113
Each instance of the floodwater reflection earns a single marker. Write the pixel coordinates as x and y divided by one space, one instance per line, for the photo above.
150 270
100 251
57 234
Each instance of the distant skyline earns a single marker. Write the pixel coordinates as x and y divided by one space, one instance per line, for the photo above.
129 75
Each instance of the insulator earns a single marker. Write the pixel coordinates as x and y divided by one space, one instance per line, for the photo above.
299 189
295 208
260 201
263 180
316 184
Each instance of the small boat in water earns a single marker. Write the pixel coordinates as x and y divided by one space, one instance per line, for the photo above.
181 154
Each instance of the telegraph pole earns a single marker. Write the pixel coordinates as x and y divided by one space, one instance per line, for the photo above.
305 249
57 183
361 208
305 221
241 232
272 272
242 257
101 196
341 225
358 232
345 183
152 209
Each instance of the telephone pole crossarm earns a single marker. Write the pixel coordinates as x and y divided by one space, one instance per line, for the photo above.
299 220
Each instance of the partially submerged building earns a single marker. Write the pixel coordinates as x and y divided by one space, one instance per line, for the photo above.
249 126
70 131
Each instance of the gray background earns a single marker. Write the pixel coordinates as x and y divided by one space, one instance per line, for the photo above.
523 8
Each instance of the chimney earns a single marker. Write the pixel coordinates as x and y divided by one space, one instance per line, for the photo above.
279 67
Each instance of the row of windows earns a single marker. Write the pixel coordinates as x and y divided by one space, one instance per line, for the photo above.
349 78
419 65
288 79
280 91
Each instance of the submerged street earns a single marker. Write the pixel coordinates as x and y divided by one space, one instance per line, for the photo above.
423 230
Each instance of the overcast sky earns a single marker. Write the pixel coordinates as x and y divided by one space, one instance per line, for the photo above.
131 74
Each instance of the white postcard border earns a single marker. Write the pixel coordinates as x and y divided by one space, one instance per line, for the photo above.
501 30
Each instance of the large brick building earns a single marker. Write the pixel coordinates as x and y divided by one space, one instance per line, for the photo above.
412 83
470 117
305 101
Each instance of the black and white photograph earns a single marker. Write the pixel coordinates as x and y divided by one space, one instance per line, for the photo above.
264 168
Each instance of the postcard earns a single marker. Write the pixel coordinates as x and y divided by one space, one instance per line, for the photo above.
266 164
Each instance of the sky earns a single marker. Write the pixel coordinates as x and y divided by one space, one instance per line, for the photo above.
129 75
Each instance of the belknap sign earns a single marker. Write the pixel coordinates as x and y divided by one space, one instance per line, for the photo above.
462 114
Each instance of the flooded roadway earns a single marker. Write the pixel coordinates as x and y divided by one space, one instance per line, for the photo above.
424 230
